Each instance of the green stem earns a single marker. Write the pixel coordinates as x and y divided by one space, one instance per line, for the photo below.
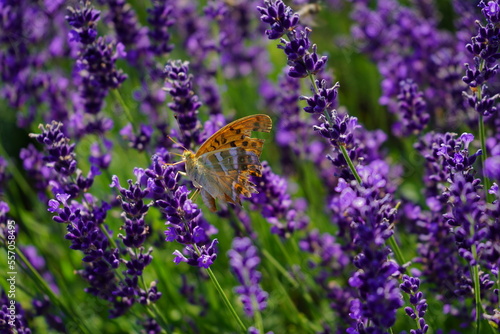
16 173
226 300
111 240
258 320
350 164
125 108
280 268
398 254
152 309
477 291
482 136
42 284
342 147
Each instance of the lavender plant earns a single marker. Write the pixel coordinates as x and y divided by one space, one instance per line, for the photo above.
377 209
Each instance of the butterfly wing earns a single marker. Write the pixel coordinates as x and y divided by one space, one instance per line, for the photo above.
225 175
237 134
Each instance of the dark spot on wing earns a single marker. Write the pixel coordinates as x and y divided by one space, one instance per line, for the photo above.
241 159
244 167
238 131
233 144
254 144
245 143
224 140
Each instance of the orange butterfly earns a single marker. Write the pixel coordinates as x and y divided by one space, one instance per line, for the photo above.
221 167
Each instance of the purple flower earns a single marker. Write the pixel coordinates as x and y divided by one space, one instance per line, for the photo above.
322 101
238 41
244 260
185 105
95 66
280 17
3 174
129 32
43 307
134 210
364 214
12 316
139 142
84 22
100 154
412 110
419 307
484 48
276 204
184 220
61 158
406 43
161 18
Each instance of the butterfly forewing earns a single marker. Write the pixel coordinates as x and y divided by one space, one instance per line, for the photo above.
235 133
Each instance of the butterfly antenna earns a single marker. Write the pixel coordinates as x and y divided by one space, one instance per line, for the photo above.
175 142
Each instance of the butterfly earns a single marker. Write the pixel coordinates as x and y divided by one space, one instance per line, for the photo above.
221 167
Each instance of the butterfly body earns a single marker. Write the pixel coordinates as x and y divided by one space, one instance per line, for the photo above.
221 167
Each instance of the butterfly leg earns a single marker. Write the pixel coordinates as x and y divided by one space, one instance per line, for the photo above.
195 194
175 163
179 172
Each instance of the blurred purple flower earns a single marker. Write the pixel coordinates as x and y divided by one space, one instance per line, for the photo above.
412 110
280 17
484 48
244 260
43 307
13 318
411 286
134 209
31 36
129 32
95 66
139 142
238 40
161 18
84 22
100 154
276 205
185 105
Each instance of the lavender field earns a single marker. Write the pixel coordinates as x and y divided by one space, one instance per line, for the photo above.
374 207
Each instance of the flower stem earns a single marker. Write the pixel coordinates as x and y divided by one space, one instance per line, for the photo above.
477 297
397 251
280 268
350 164
124 106
342 147
44 287
226 300
258 321
482 137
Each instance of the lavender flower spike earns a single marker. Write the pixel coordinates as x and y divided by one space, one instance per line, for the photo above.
184 220
244 261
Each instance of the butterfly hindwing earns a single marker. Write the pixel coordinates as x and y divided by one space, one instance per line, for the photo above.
229 159
237 133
